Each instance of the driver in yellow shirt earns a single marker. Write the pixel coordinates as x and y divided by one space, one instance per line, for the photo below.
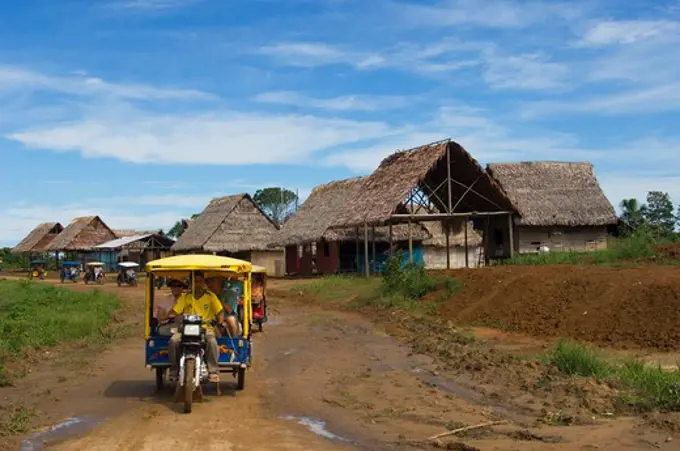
201 302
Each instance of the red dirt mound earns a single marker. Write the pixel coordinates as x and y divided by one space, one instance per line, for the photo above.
619 307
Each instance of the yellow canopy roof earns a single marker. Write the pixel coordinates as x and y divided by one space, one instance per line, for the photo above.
199 263
259 269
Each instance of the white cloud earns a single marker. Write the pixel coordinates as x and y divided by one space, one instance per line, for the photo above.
230 137
627 185
486 14
151 5
525 72
20 79
311 54
341 103
623 32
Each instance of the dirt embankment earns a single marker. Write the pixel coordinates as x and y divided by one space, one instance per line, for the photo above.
618 307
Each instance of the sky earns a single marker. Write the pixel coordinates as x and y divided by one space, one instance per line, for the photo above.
142 111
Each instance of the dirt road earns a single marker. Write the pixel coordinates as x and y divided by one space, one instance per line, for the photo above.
321 380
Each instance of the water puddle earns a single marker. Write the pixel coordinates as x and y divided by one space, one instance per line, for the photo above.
317 427
289 352
61 431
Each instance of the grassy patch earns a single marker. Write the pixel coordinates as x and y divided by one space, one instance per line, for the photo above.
341 288
577 360
35 316
15 420
645 387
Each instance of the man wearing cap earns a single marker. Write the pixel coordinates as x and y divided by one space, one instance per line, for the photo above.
200 302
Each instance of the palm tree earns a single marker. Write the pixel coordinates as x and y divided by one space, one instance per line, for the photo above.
632 213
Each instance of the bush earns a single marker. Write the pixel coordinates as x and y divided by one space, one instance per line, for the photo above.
410 282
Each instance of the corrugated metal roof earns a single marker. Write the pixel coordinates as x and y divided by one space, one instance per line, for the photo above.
120 242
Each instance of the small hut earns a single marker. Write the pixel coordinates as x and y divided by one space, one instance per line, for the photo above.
560 205
234 226
37 241
80 238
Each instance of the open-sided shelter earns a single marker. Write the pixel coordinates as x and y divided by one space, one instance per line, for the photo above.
441 180
37 241
136 248
234 226
559 204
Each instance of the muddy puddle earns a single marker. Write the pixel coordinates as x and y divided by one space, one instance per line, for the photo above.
317 427
67 429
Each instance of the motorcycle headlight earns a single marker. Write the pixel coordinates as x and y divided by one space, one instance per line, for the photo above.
192 330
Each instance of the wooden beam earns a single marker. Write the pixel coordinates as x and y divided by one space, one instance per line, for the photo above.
467 254
367 269
476 192
410 243
357 248
486 240
464 194
440 216
448 182
512 236
448 247
373 246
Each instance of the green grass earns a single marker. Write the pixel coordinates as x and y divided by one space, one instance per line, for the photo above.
341 288
645 388
15 420
618 250
35 316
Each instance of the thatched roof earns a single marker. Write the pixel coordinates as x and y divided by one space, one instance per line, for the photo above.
39 238
320 211
82 234
229 224
385 189
120 233
552 193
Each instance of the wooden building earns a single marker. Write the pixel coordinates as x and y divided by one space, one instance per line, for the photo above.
140 249
234 226
559 205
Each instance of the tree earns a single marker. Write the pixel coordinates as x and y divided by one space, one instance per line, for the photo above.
659 214
178 229
278 203
632 213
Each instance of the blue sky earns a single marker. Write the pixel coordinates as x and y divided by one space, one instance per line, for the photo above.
143 110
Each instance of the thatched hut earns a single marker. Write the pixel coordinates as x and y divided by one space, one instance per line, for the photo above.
125 233
313 246
234 226
560 205
81 236
37 241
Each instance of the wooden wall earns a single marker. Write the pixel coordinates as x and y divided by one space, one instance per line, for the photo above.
559 239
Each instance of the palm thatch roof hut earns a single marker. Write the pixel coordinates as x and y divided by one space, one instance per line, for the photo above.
39 238
560 204
234 226
125 233
82 235
442 177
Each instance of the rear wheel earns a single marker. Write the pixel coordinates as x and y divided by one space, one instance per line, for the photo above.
189 370
241 379
160 372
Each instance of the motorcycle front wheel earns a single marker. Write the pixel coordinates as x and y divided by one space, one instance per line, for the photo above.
189 373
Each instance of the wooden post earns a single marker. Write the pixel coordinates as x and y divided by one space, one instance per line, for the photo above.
390 227
448 247
467 255
448 175
512 236
486 241
373 247
357 248
410 243
367 269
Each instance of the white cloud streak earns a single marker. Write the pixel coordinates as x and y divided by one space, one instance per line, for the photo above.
341 103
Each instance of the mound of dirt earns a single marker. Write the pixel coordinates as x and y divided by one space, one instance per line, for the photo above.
618 307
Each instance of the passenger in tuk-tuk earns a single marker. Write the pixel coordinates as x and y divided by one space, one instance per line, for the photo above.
229 301
165 305
200 302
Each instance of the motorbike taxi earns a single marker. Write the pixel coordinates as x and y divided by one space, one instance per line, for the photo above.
127 274
69 271
94 273
234 352
38 269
